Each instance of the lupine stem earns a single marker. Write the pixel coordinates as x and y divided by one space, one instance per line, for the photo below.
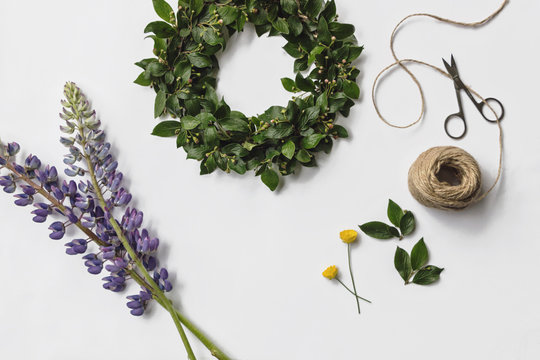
352 277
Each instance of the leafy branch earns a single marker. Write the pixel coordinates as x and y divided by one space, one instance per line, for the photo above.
414 266
402 219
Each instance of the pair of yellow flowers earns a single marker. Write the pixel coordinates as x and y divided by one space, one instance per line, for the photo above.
348 237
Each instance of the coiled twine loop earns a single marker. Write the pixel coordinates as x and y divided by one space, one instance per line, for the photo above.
445 177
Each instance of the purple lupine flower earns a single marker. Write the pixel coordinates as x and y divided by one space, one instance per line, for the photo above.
138 303
115 283
40 215
161 278
58 230
23 200
8 183
78 203
93 263
76 246
13 148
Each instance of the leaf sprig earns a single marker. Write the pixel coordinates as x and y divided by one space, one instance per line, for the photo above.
183 75
414 265
402 219
408 266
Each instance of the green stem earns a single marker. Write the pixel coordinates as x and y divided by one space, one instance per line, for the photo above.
352 277
352 292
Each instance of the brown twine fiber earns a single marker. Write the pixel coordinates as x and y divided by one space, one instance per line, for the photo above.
426 183
445 177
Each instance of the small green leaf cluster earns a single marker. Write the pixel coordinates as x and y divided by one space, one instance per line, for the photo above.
183 75
403 220
408 266
414 265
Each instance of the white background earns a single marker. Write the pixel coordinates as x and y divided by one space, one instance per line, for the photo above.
247 262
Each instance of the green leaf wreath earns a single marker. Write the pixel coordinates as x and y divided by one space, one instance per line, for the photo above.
184 78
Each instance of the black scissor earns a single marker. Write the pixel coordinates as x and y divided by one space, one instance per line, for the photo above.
480 105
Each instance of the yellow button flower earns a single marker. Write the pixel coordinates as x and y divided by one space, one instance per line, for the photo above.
348 236
330 272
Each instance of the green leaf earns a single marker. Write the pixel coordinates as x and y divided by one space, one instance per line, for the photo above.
210 136
164 10
419 255
189 122
166 128
196 152
288 149
322 102
196 6
354 52
211 37
235 125
156 69
340 131
210 164
329 12
159 104
181 140
341 31
407 223
199 60
289 84
313 8
394 213
289 6
323 35
281 25
228 13
313 53
351 89
278 131
270 178
402 263
309 142
143 81
183 70
378 230
304 84
205 118
303 156
235 149
161 29
308 115
293 50
427 275
237 165
295 26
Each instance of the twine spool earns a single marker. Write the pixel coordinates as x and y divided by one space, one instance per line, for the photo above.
445 177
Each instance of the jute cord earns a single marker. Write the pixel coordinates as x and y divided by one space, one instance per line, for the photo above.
424 183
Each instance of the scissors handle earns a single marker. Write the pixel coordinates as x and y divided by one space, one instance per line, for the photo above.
487 113
458 115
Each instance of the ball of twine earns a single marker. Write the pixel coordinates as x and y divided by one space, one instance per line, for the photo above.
445 177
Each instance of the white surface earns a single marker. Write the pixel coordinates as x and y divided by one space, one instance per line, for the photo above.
246 261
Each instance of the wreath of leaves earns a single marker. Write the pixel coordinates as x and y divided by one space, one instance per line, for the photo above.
184 78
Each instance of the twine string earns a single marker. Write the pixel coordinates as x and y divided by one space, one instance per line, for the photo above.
401 63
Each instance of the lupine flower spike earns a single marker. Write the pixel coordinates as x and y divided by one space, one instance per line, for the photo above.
90 202
332 273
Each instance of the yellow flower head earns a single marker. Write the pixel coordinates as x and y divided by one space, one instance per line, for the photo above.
348 236
331 272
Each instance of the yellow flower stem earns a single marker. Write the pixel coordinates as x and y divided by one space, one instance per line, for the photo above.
352 277
352 292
